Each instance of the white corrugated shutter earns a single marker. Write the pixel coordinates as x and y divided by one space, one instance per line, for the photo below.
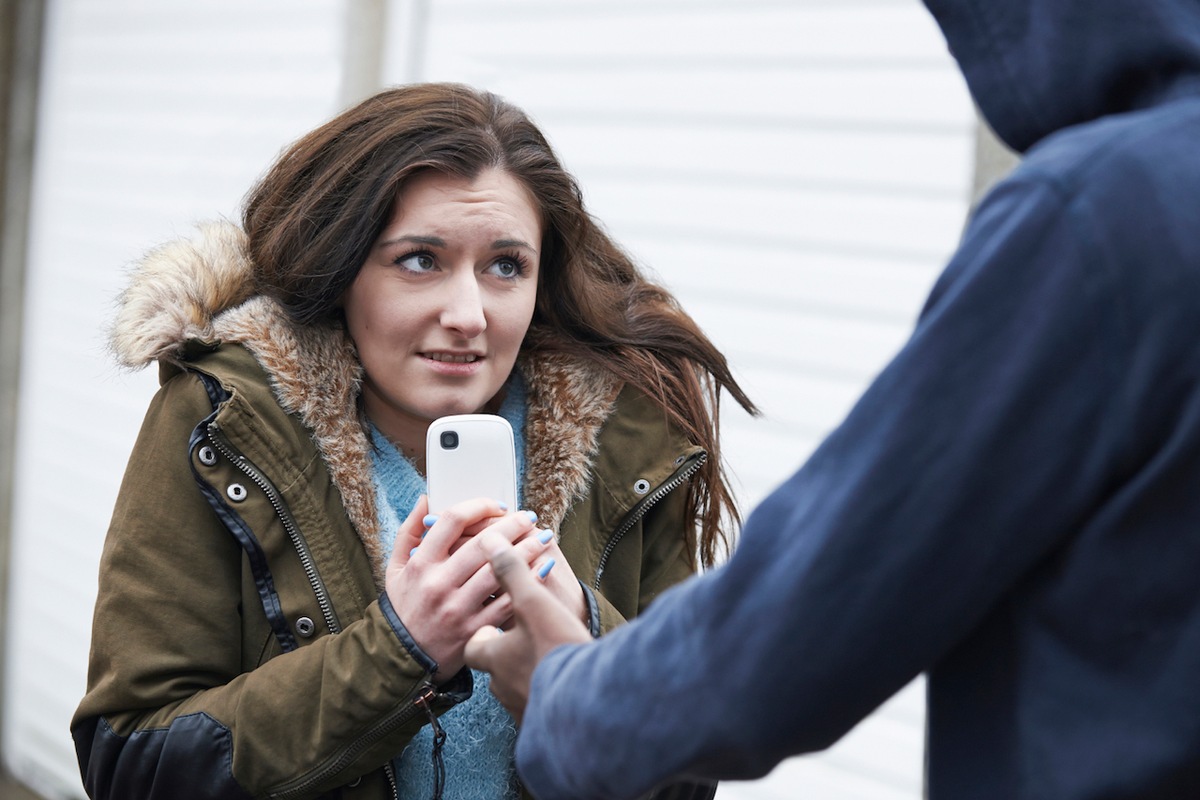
154 115
797 172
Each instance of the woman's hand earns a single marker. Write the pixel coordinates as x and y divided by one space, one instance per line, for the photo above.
439 580
552 567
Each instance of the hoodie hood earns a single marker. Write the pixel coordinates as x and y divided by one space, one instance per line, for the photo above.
1036 66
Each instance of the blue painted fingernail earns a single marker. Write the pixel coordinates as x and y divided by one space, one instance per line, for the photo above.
503 506
532 516
429 520
545 570
545 536
410 552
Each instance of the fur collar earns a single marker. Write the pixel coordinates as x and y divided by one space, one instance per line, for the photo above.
201 288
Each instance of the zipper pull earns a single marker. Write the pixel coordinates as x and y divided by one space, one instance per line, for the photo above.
425 701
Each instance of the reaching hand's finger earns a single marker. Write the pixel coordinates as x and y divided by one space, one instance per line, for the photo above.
540 623
511 570
546 619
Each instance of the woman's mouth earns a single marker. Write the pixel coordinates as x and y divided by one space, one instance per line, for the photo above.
452 358
454 365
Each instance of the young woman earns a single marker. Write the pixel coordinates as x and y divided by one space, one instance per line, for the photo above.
278 615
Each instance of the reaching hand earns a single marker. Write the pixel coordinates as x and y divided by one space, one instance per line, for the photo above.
540 623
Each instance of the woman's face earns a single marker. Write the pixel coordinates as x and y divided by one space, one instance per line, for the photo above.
441 305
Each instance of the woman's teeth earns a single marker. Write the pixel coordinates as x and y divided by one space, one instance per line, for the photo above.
452 359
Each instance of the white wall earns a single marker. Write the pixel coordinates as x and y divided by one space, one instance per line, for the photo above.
797 171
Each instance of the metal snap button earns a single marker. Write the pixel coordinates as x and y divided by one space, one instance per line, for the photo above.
642 486
306 627
207 455
237 492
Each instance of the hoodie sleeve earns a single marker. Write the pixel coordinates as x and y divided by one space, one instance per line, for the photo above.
984 443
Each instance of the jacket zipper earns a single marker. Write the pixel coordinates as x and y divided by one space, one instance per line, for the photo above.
426 695
389 772
439 739
644 506
289 524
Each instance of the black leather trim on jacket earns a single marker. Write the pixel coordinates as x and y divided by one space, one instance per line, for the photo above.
191 759
259 568
216 392
593 608
410 644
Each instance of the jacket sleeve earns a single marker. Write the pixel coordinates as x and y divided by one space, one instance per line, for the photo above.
172 711
986 441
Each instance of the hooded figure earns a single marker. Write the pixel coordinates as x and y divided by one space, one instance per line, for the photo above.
1013 507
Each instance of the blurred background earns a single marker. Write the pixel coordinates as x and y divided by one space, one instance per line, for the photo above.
796 171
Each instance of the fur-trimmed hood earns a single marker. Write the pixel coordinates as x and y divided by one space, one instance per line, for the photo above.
201 288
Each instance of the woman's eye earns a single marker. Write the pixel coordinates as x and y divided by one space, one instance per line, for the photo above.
507 268
417 262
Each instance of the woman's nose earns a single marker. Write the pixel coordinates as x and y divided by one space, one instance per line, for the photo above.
462 308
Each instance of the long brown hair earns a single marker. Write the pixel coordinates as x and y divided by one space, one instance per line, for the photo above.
312 219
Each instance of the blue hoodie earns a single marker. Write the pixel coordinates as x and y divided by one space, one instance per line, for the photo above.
1013 507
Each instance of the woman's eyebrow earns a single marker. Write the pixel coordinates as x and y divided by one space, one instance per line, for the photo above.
437 241
506 244
431 241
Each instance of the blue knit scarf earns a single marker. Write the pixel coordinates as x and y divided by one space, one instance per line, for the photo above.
480 735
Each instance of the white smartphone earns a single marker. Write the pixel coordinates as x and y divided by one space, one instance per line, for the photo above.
468 456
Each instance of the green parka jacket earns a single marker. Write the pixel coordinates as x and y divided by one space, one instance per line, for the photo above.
242 646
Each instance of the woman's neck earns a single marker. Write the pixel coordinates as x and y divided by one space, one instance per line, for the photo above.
407 431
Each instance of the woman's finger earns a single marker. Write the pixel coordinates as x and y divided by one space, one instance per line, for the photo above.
550 567
452 523
409 534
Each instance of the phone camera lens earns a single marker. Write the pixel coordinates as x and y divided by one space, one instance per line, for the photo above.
449 440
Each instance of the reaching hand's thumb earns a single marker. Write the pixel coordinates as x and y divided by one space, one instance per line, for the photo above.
478 652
